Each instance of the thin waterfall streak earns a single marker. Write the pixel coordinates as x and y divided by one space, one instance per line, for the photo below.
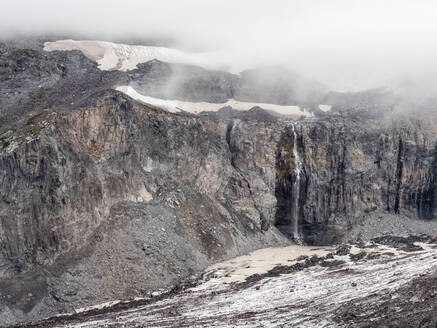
296 187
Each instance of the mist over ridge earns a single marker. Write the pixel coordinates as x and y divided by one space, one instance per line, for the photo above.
346 45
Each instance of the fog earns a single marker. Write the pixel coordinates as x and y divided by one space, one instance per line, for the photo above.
345 44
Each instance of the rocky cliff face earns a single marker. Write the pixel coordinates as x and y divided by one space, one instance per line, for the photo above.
353 169
115 199
103 198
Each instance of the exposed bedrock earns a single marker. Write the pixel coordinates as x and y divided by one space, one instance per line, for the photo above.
354 168
351 170
103 198
114 199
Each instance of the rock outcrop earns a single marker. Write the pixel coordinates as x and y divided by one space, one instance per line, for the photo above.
353 168
103 198
114 200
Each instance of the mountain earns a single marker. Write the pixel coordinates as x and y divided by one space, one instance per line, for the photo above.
104 197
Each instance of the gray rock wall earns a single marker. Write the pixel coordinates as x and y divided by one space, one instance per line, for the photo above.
114 200
102 198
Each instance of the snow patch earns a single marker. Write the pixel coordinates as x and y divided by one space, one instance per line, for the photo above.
144 195
257 262
114 56
175 106
325 108
97 307
148 167
306 298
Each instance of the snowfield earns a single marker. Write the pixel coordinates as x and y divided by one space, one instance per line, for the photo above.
123 57
114 56
294 286
175 106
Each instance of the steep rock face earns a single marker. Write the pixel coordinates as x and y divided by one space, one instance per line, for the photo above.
353 169
115 199
102 198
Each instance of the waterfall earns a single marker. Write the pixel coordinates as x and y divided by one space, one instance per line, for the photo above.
296 188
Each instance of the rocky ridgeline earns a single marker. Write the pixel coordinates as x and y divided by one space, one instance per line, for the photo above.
103 198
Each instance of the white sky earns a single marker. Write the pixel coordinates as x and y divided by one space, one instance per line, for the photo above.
347 44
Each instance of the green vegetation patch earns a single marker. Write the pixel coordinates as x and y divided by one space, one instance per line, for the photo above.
20 53
7 130
37 95
36 69
5 138
38 118
4 143
35 124
7 76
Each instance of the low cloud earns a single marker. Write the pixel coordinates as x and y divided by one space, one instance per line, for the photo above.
345 44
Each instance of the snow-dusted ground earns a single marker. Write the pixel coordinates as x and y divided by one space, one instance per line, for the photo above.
325 108
175 106
123 57
307 297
